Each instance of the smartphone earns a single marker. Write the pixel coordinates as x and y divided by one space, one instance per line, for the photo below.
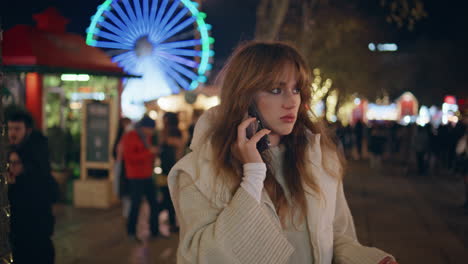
263 144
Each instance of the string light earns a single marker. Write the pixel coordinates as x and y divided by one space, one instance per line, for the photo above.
4 176
332 100
320 89
6 210
345 112
8 259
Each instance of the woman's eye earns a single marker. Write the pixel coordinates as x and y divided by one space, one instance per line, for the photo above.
275 91
296 91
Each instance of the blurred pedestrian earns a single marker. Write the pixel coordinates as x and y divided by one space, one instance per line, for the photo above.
443 132
434 151
462 163
394 141
172 146
408 152
457 132
421 147
32 192
242 197
139 156
358 136
376 146
121 183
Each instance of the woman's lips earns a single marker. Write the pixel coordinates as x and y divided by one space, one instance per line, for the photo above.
288 118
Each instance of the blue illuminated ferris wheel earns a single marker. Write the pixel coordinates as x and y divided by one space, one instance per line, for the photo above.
167 42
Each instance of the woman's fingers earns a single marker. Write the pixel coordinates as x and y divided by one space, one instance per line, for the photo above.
241 135
259 135
246 148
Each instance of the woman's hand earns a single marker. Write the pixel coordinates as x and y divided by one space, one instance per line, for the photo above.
246 148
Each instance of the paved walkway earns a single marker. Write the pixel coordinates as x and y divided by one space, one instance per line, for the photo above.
415 218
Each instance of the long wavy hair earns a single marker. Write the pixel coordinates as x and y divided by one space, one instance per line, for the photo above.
253 67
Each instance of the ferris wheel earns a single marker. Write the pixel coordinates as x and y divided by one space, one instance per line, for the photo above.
167 42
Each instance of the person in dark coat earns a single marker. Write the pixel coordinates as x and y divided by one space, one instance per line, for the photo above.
358 133
172 149
376 145
31 193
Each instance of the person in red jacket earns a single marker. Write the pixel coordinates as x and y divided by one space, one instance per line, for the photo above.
139 155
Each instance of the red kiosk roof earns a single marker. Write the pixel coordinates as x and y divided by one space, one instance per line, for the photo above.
48 45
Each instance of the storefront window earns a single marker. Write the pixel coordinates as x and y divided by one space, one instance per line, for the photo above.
63 99
65 93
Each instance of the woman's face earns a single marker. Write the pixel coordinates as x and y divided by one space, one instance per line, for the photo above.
280 103
16 167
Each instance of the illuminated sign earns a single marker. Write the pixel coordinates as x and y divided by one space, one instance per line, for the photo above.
450 99
383 47
87 96
75 77
382 112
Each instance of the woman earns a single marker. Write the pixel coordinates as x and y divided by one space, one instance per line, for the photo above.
172 145
31 222
284 205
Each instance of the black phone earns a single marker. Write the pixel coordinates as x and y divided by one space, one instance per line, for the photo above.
263 144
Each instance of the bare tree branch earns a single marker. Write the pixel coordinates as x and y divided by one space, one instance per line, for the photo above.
404 12
270 18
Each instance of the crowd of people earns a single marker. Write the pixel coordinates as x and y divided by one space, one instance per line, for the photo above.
32 192
138 149
236 200
419 150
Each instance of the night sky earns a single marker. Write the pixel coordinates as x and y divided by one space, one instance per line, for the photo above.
233 21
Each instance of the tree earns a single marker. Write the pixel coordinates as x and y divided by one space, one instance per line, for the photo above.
270 18
272 13
404 12
333 35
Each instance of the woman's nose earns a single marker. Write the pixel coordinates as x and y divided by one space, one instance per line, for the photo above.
290 100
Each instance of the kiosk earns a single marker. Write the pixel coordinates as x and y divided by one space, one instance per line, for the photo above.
94 188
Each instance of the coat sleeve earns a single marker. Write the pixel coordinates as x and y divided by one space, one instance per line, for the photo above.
347 249
241 232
